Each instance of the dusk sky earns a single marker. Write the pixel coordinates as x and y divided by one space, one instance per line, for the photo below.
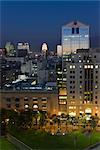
41 21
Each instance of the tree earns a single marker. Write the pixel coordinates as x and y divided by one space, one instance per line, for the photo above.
3 117
42 119
93 121
35 118
3 114
13 116
25 119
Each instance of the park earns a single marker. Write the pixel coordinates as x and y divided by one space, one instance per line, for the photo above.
39 130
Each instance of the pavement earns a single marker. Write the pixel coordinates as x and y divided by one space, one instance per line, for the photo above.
96 148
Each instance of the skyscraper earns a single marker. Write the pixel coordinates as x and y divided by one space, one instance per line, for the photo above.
75 35
44 47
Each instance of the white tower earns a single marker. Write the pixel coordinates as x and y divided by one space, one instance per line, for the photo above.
44 48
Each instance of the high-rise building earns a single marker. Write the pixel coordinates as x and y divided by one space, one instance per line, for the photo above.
59 50
44 49
23 46
10 49
82 84
75 35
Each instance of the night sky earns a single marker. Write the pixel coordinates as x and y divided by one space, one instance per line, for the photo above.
41 21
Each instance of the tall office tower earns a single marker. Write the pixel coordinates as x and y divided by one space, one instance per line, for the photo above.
44 49
10 49
75 35
82 84
23 46
59 50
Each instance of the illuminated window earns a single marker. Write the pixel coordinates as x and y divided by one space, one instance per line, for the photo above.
85 67
26 99
59 72
71 66
35 106
86 35
72 102
70 107
96 86
26 105
62 102
64 79
80 61
58 79
87 61
91 66
80 86
62 97
72 113
62 91
81 112
81 102
96 66
66 59
80 66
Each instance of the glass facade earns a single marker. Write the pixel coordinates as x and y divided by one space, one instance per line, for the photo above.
75 36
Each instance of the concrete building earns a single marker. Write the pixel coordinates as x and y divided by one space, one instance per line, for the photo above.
10 69
82 83
35 100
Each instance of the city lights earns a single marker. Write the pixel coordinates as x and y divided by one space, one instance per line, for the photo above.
50 75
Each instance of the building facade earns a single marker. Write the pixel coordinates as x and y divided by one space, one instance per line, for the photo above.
35 100
82 95
75 35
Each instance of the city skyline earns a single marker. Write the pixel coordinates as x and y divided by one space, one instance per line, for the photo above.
43 21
